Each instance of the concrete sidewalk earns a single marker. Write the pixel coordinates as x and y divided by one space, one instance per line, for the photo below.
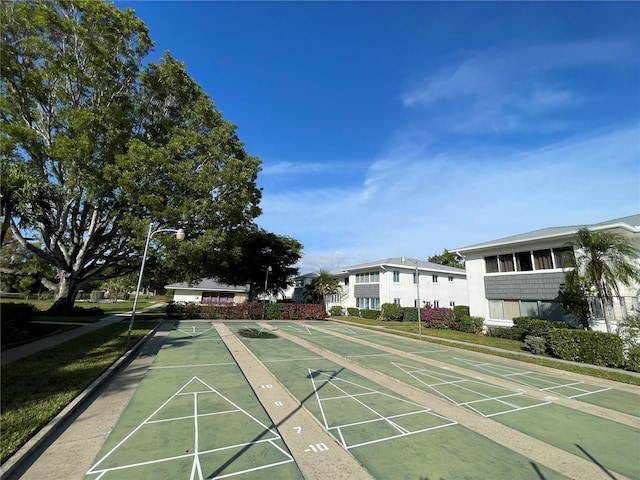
13 354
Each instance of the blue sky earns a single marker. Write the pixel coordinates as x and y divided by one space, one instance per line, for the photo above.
391 128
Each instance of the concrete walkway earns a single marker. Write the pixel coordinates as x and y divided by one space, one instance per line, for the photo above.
13 354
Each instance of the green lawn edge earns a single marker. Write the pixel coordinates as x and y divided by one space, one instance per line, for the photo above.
507 348
35 389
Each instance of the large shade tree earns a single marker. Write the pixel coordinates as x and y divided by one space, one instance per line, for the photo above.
262 260
116 144
605 261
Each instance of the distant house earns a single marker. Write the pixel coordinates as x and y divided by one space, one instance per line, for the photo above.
209 291
392 280
520 275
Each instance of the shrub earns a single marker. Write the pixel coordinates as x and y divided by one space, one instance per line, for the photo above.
369 313
537 345
391 311
273 311
596 348
537 327
336 310
460 311
440 318
633 360
353 312
509 333
86 312
15 321
409 314
471 324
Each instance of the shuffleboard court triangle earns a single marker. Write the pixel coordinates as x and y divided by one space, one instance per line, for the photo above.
177 430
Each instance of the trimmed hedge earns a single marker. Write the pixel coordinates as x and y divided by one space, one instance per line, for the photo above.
509 333
460 311
471 324
596 348
633 360
392 312
409 314
247 311
336 310
353 312
369 313
537 327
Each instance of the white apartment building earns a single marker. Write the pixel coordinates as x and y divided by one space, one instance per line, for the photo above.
520 275
407 282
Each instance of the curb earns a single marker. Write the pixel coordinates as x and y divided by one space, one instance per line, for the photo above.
50 428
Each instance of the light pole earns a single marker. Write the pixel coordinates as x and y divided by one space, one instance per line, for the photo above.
264 304
415 262
180 236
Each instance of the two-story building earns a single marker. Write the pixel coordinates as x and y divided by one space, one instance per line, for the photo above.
520 275
407 282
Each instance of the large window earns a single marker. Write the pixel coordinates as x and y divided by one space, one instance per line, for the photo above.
564 257
491 264
396 276
542 259
523 260
506 263
434 278
368 277
531 260
217 297
372 303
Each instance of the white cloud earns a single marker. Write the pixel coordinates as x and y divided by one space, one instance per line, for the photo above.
417 202
507 91
292 168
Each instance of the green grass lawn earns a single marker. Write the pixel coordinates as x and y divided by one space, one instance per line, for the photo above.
36 388
512 349
109 308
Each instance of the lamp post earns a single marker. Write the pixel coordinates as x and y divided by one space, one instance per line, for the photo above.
264 303
415 262
180 236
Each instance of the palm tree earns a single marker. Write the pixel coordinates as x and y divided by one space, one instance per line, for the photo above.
604 261
324 284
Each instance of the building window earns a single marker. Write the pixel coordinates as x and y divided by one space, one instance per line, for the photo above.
542 259
564 257
371 303
451 279
491 264
495 309
396 276
452 304
506 263
368 277
523 261
396 301
436 304
434 278
346 280
415 278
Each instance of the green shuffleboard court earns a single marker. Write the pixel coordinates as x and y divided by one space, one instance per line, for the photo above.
194 417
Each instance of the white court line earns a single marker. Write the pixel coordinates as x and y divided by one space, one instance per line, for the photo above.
196 472
459 385
534 377
387 419
192 366
370 355
292 359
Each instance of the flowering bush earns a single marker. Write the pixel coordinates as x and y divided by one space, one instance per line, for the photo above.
441 318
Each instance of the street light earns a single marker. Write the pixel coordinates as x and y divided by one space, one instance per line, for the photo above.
415 262
180 236
264 302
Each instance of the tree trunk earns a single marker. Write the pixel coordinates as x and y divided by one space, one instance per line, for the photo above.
65 295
